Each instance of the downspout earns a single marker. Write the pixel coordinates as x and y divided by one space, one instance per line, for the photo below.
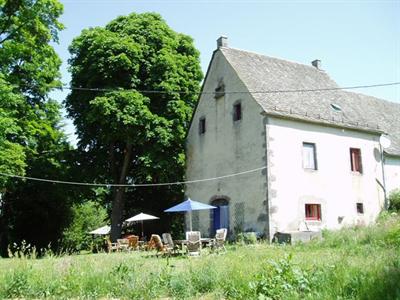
268 204
385 203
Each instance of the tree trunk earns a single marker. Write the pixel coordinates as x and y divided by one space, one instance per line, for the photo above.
118 203
4 219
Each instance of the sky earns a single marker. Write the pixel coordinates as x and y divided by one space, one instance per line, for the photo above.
358 42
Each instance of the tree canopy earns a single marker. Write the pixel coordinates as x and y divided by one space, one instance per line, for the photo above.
128 132
31 140
27 60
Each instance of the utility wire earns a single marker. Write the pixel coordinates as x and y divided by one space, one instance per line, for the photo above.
129 185
65 86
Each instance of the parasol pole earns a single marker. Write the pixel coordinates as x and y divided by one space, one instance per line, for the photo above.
190 220
142 229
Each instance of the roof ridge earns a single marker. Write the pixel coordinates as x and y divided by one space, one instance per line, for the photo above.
369 96
273 57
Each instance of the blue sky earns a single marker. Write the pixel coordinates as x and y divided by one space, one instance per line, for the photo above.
358 42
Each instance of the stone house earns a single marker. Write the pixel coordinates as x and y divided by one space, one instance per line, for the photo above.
316 154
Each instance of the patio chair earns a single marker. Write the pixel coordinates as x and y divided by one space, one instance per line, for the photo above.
193 245
111 246
218 243
156 243
133 242
123 244
169 243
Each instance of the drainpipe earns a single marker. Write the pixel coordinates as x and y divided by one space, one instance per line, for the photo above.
268 204
385 205
384 142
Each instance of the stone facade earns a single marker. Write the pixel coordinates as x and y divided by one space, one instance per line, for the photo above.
276 198
227 147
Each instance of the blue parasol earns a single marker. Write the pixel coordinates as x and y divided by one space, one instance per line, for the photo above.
188 206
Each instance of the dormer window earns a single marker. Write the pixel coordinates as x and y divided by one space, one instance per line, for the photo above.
220 90
336 107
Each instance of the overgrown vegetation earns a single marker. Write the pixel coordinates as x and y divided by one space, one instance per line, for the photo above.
394 200
86 216
354 263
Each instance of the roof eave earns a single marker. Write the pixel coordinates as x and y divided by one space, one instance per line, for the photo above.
323 122
201 93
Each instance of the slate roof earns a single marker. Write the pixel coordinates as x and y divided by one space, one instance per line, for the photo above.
357 111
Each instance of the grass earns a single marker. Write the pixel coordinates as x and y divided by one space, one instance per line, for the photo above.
354 263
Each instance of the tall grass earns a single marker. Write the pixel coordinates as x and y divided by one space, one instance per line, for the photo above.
354 263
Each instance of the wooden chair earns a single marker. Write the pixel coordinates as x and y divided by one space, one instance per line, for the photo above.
156 243
218 243
169 243
133 242
193 245
111 246
123 244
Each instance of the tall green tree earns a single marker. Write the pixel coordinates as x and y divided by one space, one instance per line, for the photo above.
12 155
27 60
31 140
132 135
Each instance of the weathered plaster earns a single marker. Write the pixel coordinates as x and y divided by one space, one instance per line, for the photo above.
228 147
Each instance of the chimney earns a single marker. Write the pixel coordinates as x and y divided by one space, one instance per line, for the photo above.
222 41
317 64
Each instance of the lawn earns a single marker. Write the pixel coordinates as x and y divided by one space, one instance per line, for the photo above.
355 263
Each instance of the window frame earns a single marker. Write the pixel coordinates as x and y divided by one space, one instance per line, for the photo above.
360 208
202 125
356 160
237 111
314 147
313 213
219 91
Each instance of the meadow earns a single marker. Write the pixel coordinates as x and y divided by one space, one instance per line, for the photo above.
353 263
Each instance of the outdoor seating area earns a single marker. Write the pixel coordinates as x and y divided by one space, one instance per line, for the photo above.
192 245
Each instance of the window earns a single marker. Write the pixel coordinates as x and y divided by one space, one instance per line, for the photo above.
313 212
360 208
309 156
202 125
220 90
237 112
355 160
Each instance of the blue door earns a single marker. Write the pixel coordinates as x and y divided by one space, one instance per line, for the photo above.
220 217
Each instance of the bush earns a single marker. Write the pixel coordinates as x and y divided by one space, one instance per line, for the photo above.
85 217
246 238
394 200
280 279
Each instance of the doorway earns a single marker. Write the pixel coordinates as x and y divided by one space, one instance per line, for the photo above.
220 215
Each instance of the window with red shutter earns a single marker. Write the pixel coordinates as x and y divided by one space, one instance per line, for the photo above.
313 212
355 160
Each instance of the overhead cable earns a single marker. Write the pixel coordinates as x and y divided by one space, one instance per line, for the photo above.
65 86
129 185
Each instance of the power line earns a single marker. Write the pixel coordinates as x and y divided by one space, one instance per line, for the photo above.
65 86
130 185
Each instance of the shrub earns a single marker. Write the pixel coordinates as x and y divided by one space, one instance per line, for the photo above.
279 280
394 200
246 238
85 217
